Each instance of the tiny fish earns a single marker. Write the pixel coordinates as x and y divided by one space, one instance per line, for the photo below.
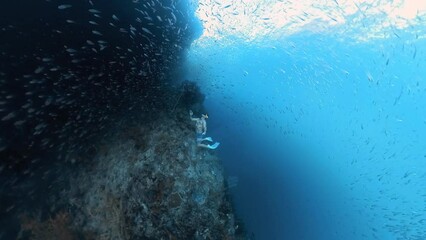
70 50
115 18
64 6
48 102
146 30
370 78
174 17
19 122
92 10
332 18
8 116
96 33
38 70
396 35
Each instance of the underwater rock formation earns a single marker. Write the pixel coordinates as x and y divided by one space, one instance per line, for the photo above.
152 182
146 180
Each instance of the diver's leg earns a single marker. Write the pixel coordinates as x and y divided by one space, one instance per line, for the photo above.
214 146
207 139
202 145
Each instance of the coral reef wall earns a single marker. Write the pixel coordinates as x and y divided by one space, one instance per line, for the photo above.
151 181
146 179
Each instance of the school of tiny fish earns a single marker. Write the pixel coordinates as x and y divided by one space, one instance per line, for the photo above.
70 95
74 67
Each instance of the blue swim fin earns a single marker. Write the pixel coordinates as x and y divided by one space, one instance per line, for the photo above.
208 139
214 146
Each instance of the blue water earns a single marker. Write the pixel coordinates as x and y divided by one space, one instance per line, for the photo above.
325 135
322 126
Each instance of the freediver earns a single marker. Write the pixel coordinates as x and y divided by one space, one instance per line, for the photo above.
200 130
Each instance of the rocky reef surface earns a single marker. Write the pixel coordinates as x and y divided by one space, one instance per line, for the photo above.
147 180
152 182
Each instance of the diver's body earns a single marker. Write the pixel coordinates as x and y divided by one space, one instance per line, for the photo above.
200 130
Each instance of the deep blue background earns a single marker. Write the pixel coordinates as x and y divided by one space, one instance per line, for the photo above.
325 135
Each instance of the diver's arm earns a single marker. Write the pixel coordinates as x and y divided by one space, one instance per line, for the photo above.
204 127
190 116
